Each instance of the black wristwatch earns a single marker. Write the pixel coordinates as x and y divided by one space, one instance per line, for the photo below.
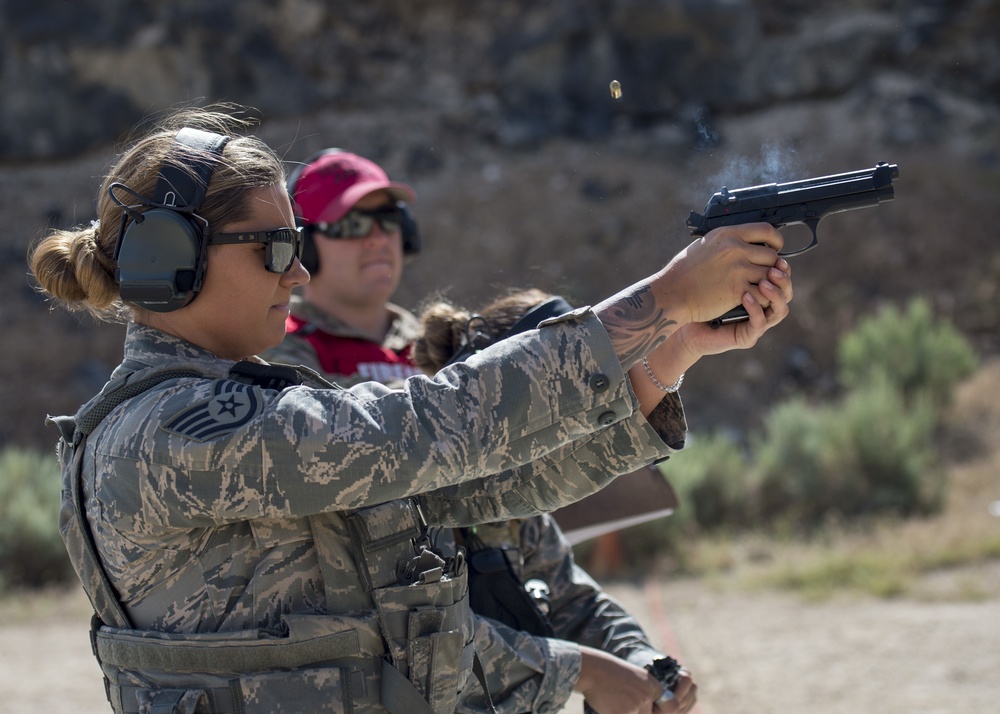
666 670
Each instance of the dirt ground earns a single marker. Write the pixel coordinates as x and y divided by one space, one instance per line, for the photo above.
758 652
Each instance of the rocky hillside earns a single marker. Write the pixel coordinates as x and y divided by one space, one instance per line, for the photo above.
527 171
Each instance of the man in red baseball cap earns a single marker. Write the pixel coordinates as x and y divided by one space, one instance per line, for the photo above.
327 187
358 231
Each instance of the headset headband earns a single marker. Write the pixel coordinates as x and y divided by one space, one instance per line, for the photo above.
553 307
175 184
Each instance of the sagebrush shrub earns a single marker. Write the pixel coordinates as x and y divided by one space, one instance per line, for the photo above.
31 551
870 454
911 349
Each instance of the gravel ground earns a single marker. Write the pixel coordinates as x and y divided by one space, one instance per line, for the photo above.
760 652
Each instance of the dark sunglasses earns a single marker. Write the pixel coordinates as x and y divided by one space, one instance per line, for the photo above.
284 245
360 223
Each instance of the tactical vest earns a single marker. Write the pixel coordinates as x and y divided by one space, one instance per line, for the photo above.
411 655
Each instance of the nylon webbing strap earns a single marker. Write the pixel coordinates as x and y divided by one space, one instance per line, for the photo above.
399 695
359 688
102 596
480 672
96 415
176 655
105 600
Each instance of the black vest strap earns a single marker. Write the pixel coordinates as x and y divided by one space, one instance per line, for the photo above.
265 376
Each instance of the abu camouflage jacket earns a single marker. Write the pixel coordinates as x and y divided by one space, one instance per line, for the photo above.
525 671
221 508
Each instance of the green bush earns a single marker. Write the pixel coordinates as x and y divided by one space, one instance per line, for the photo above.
791 478
888 442
31 551
910 349
711 477
871 454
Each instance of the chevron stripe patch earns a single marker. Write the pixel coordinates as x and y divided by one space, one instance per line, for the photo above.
232 405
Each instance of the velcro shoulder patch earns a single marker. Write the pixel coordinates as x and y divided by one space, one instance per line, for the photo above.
231 405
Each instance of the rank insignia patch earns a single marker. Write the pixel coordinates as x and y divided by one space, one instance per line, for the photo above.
232 405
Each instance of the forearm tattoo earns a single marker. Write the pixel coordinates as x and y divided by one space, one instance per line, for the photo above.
635 324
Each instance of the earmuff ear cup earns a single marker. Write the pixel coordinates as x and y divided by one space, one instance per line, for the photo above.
310 256
410 230
160 265
161 254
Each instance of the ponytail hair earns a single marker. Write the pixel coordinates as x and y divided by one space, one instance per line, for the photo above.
76 267
448 329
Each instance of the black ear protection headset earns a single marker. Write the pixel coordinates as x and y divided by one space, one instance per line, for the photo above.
310 256
479 336
161 254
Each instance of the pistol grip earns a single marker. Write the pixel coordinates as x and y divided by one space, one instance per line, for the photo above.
737 314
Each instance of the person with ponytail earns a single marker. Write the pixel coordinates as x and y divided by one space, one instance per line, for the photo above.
541 605
254 538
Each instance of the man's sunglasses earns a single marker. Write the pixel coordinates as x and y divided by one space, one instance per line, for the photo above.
284 245
360 223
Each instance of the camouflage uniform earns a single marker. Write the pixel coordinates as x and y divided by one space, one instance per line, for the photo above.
222 507
525 672
297 349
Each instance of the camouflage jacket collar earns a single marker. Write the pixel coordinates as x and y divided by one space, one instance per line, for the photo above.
403 329
148 349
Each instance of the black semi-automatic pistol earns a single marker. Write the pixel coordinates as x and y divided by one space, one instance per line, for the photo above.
783 204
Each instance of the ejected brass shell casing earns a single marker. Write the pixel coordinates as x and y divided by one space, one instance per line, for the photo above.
616 89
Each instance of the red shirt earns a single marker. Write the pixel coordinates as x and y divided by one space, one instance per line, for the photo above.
354 355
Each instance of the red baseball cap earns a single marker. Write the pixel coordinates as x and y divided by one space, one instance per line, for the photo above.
328 187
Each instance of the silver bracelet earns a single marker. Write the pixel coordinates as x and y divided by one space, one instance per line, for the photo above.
663 388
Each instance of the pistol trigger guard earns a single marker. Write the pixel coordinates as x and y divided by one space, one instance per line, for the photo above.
813 224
